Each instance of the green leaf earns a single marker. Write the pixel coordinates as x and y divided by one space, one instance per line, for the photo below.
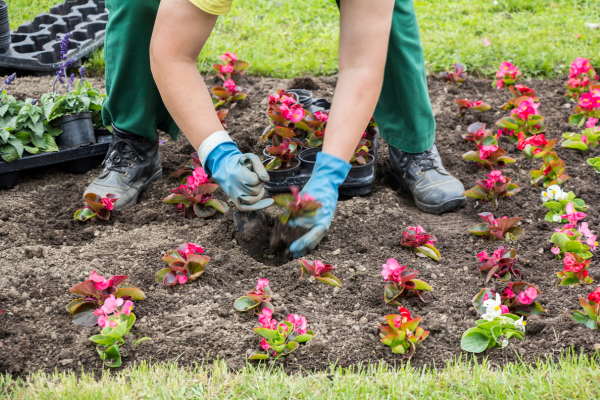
303 338
83 214
102 340
73 303
268 334
429 251
244 303
126 289
84 315
575 144
390 292
161 274
202 211
50 143
474 340
141 340
218 205
112 353
479 230
329 279
420 285
258 356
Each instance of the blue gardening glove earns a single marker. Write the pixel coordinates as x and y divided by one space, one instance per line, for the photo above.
240 175
328 174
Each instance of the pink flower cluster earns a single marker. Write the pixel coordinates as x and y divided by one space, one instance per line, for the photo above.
526 297
199 177
508 73
535 141
595 296
230 59
486 150
392 271
571 265
404 317
589 102
112 305
578 74
526 108
497 254
265 319
493 177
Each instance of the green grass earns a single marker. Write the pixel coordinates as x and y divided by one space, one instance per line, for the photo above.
568 378
296 37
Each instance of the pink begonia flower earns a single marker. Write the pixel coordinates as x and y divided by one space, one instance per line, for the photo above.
499 84
193 248
486 151
110 304
226 69
483 256
392 271
590 237
299 323
577 36
506 68
319 266
397 321
406 316
584 138
504 309
486 42
527 296
229 84
264 345
181 279
589 101
321 116
229 57
591 122
569 262
526 108
580 66
262 283
265 319
100 282
108 204
508 292
198 177
494 177
294 114
555 250
127 306
287 100
498 253
104 322
573 216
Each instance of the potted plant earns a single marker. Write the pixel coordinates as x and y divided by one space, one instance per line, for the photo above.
287 119
283 162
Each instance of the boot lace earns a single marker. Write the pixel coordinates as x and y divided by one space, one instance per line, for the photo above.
121 155
425 160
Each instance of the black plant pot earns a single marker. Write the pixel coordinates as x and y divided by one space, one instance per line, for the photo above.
305 97
281 175
308 158
359 180
78 130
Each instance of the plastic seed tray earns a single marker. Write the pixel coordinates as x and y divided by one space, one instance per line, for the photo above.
36 45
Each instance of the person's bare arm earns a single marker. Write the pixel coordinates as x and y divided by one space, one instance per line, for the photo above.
364 36
180 31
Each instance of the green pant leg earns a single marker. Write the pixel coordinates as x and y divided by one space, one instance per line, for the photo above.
404 113
134 103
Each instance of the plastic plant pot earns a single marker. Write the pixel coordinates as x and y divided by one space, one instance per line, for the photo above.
308 158
281 175
359 180
78 130
5 35
305 97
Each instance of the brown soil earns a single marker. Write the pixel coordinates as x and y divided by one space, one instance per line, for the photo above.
44 253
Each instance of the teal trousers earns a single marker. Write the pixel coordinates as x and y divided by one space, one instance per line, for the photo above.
134 104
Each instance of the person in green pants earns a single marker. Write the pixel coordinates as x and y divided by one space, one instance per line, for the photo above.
135 107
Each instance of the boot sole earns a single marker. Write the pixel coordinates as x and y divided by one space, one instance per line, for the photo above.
157 175
445 207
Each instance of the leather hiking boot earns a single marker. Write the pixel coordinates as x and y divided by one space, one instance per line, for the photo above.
131 165
435 191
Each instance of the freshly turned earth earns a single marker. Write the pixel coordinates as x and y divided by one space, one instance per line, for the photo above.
45 252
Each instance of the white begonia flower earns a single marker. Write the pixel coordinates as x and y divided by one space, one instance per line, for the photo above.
492 308
556 218
555 192
520 324
545 197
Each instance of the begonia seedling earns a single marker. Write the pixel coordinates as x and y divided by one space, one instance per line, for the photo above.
498 229
591 315
232 66
500 265
185 264
556 200
464 105
196 197
296 205
570 240
188 169
489 155
286 116
519 93
594 163
96 207
517 298
317 123
229 93
588 107
402 333
582 77
493 188
403 283
259 297
535 146
589 138
361 156
476 133
574 271
280 339
222 114
507 75
415 238
551 173
96 291
458 76
524 118
282 155
320 271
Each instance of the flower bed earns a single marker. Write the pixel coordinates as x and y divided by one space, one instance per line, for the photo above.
45 253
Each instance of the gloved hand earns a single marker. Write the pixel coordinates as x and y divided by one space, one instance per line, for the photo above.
239 175
328 174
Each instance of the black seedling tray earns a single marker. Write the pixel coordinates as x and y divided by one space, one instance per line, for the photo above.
76 160
36 45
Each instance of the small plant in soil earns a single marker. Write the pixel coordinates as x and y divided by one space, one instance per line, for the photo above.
518 298
498 229
228 94
320 271
535 146
551 173
316 123
188 169
588 107
231 67
457 76
361 156
196 197
281 339
575 271
476 133
591 315
519 93
96 291
96 207
415 238
493 188
507 75
589 138
222 114
295 205
403 283
185 264
402 333
259 297
282 155
489 155
582 77
464 105
500 265
524 119
594 163
495 328
569 240
556 200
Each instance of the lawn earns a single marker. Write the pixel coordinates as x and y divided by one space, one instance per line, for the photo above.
291 38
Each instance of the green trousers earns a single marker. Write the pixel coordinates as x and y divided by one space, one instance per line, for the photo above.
134 104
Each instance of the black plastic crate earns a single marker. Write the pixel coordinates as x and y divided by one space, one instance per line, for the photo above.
36 45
